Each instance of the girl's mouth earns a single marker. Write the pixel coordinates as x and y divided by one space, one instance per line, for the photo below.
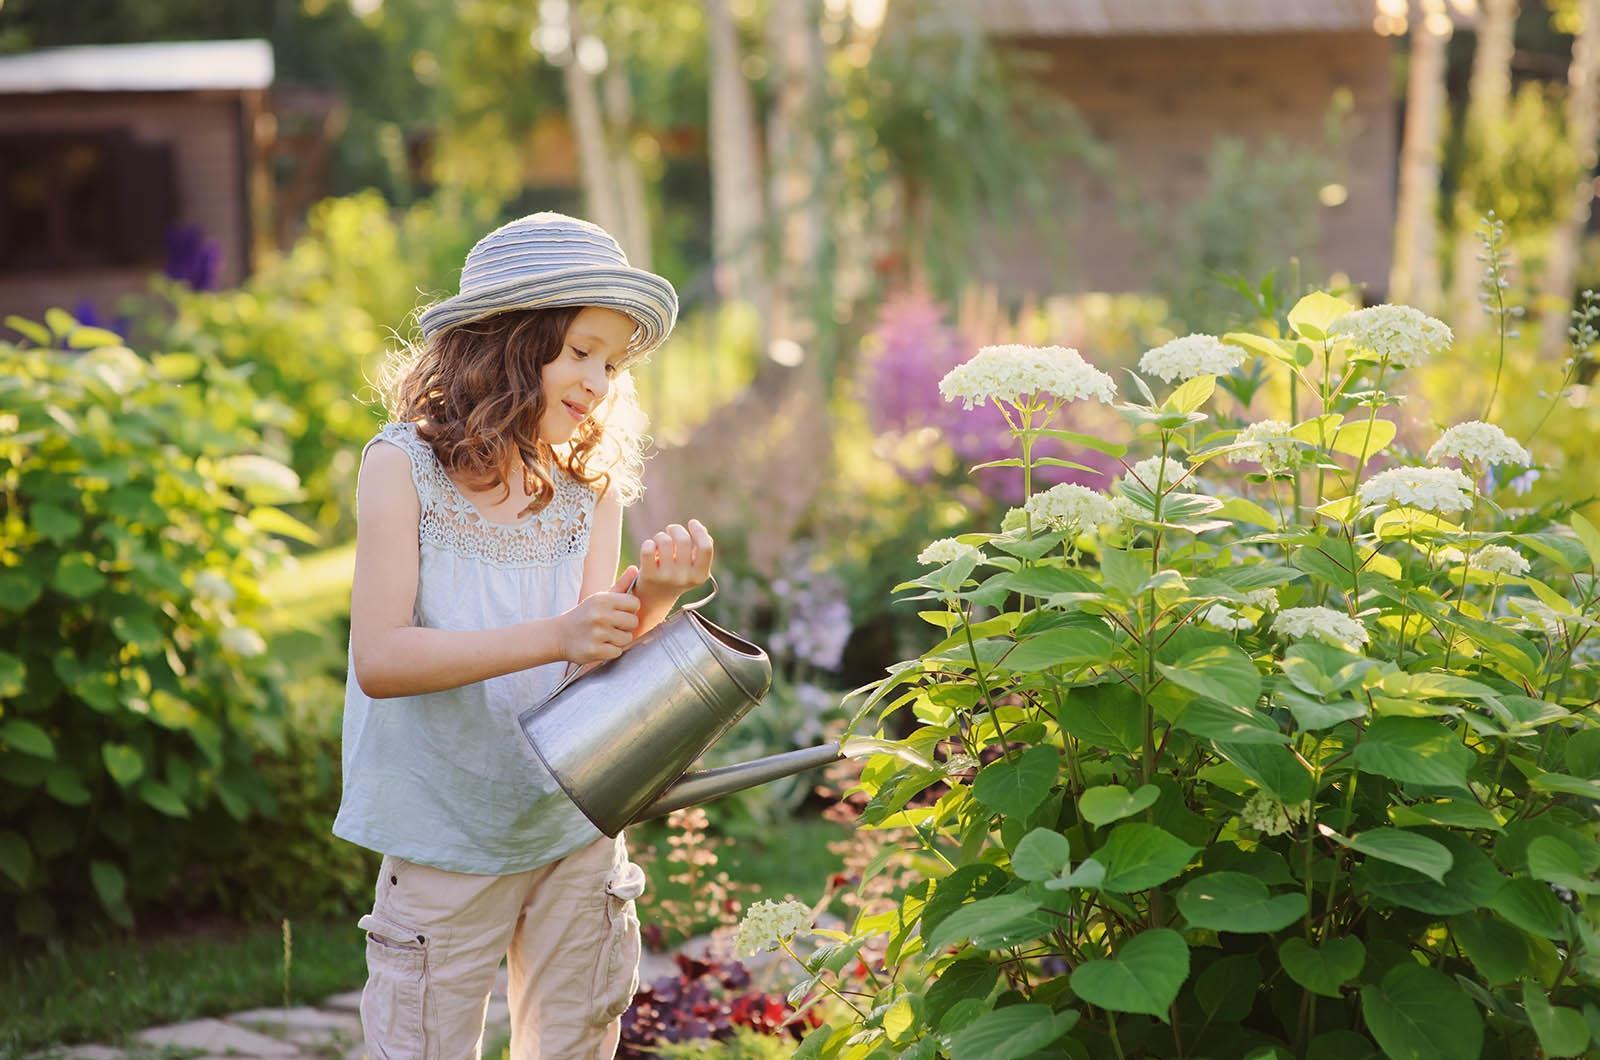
577 412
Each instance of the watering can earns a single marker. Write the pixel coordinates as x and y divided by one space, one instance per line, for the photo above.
618 737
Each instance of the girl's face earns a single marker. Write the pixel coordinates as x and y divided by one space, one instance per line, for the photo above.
580 377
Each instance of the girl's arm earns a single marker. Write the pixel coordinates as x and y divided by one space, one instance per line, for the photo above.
391 657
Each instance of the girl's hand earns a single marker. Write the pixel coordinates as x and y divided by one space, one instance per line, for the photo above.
601 625
674 561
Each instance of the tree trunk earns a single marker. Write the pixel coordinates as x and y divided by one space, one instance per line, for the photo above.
738 214
1488 95
794 153
1414 275
1581 129
631 199
602 198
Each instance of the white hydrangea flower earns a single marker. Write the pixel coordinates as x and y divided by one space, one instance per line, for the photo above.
1269 816
1433 489
767 925
242 641
214 585
1072 507
1015 519
1404 335
1481 443
1010 373
1266 599
1151 470
1323 623
1190 356
1226 619
946 550
1267 443
1500 559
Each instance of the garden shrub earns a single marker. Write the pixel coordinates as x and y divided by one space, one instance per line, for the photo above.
1284 747
138 514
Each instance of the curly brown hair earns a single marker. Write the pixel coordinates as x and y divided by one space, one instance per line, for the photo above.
473 391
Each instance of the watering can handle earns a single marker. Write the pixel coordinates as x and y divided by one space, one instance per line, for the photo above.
578 671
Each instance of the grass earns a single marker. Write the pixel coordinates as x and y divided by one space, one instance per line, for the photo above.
104 989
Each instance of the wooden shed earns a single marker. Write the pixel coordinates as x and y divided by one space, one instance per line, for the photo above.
1159 82
108 152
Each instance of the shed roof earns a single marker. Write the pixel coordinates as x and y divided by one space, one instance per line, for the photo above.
1125 18
167 67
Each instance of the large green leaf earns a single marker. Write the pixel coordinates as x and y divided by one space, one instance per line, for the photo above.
1271 766
1499 951
1229 723
1012 1032
124 763
1112 802
16 857
163 798
1315 313
1016 787
1233 901
1323 969
1417 1013
112 888
78 576
1072 646
1138 856
1227 989
1144 976
1104 716
1530 906
1551 860
1396 845
1312 714
969 977
1040 855
1414 751
1561 1031
27 737
1004 920
1470 884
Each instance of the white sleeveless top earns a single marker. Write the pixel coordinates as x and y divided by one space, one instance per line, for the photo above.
447 779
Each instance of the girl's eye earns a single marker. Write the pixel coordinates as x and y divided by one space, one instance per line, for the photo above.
611 369
580 354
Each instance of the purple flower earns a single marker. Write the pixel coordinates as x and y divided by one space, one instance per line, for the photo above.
192 258
86 314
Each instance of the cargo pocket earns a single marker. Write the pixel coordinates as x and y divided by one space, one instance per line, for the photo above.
397 986
616 975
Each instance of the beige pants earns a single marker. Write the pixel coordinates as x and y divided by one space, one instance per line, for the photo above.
435 940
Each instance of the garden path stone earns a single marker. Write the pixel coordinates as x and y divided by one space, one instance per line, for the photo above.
214 1037
305 1026
349 1001
86 1052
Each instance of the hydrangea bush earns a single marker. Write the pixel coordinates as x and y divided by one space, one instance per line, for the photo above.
1286 747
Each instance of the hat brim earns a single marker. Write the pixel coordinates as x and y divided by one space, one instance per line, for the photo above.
643 296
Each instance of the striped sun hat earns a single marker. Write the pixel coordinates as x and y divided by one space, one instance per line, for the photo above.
545 260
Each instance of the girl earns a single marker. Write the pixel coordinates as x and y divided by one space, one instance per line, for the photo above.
489 534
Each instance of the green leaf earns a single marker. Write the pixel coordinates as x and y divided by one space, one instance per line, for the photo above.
1144 976
84 337
1414 751
1233 901
34 333
1450 814
1191 394
1104 716
64 785
1312 315
1112 802
1395 845
1551 860
1530 906
1341 1045
1232 723
969 977
1499 951
1139 856
1015 788
16 857
1072 645
1003 920
1312 715
1561 784
1419 1013
1272 767
1322 970
59 321
1040 855
1589 536
1012 1032
277 521
53 522
162 798
1354 438
27 737
124 763
77 575
1470 884
1562 1031
112 888
1087 441
1227 989
1220 672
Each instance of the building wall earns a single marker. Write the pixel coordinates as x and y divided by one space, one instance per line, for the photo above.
1160 103
203 129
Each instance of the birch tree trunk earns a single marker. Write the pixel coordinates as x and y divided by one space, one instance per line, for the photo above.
1488 95
1414 274
600 190
631 200
1582 114
738 213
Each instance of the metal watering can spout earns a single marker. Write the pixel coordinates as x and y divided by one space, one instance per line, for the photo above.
618 737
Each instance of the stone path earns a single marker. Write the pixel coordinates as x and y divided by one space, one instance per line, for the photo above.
330 1030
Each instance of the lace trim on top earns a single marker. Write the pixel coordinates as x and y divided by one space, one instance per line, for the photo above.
558 531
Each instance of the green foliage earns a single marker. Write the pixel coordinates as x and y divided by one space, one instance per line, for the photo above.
1174 816
743 1044
134 687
